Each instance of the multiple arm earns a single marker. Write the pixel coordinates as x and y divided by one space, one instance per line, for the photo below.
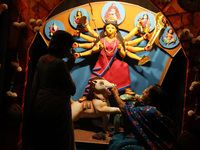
87 37
131 34
95 49
91 31
84 45
121 51
129 49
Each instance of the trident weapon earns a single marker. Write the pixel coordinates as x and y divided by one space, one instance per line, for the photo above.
91 10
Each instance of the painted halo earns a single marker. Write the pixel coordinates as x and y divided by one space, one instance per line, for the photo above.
49 30
74 18
151 19
115 9
164 43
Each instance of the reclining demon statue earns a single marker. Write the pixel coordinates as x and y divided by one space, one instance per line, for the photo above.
97 105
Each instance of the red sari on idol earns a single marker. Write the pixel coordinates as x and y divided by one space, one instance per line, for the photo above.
111 68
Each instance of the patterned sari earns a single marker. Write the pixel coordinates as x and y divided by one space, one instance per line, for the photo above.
150 130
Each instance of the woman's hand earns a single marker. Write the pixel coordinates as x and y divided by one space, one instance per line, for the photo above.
137 99
70 62
115 91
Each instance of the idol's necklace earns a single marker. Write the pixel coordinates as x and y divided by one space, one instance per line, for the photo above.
109 52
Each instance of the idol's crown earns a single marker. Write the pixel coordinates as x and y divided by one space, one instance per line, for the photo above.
111 19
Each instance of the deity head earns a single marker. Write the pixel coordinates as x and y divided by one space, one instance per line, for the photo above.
114 11
170 31
111 28
145 16
79 13
54 27
111 21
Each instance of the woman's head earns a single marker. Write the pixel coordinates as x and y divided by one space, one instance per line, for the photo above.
156 96
60 44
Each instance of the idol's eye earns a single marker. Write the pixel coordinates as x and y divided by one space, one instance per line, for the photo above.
94 82
101 83
113 27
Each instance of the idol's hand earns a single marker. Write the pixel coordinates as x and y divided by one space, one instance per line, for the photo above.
139 22
76 33
75 45
146 36
83 20
77 55
120 46
148 48
100 45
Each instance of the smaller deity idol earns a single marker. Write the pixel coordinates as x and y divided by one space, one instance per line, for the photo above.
169 38
113 11
77 16
145 23
79 20
53 29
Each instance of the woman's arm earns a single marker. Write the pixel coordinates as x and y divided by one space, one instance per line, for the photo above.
65 77
118 99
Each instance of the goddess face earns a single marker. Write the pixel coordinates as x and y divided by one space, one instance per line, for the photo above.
110 30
